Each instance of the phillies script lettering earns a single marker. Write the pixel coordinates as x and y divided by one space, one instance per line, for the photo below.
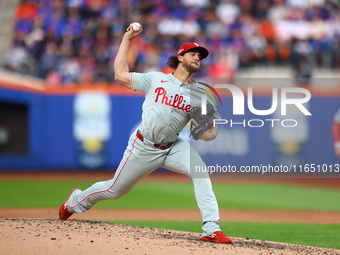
176 102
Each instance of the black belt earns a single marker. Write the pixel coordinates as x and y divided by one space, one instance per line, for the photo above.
159 146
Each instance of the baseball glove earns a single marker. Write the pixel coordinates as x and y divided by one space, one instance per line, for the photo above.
201 120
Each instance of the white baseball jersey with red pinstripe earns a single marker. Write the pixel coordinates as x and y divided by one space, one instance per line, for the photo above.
155 143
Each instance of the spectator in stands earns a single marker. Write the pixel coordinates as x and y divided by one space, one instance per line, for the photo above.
17 57
302 60
73 24
48 61
190 27
68 66
195 3
34 40
227 11
278 11
261 9
170 26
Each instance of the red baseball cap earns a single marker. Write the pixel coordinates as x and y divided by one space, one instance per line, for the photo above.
189 46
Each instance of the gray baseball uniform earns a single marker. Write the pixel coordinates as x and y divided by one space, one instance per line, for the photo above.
155 143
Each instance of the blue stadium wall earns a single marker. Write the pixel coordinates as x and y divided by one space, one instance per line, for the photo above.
52 143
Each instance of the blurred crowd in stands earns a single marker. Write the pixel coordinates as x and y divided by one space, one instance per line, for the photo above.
75 41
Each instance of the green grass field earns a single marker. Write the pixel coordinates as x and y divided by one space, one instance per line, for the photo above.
181 196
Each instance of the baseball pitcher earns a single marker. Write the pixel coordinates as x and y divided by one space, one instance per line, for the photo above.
168 107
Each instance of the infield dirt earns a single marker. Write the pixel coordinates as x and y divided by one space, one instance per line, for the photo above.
31 236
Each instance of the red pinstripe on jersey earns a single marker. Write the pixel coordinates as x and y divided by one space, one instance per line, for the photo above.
120 171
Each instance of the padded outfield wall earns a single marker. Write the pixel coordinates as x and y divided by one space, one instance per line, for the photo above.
71 128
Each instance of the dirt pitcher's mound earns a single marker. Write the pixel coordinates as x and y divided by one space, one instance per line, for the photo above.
31 236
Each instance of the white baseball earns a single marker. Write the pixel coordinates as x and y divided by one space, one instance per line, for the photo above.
136 26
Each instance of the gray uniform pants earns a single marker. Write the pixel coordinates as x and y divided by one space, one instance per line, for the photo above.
140 159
